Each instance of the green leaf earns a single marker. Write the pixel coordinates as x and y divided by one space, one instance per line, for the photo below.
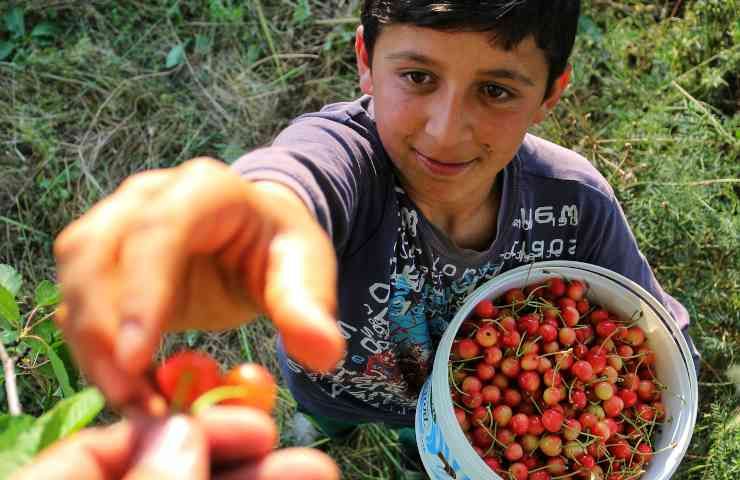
47 294
15 23
60 371
587 28
10 279
9 309
176 56
253 53
8 336
11 426
302 11
65 418
44 30
202 44
231 152
57 365
6 49
46 330
13 459
68 416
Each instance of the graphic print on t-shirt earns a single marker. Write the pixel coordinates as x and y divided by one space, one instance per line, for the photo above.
392 352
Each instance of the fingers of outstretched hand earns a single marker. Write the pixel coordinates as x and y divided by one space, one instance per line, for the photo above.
198 213
172 449
87 254
300 297
292 463
237 433
93 454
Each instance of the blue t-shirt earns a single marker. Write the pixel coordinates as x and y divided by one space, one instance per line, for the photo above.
401 279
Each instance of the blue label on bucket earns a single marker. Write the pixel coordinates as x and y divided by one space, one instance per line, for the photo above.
435 452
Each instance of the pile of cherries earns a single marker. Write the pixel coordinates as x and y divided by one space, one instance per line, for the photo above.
547 385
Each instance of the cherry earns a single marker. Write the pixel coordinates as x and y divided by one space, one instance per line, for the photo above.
552 420
491 394
547 332
551 445
583 370
492 356
467 349
259 384
486 309
556 287
486 336
502 415
185 376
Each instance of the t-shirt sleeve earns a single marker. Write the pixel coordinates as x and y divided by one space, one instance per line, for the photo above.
613 246
326 163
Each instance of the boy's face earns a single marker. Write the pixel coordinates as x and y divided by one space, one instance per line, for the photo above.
451 107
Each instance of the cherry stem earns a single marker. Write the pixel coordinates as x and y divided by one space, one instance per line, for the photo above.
567 475
218 395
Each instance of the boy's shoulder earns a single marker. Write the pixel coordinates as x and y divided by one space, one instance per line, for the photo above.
357 113
547 161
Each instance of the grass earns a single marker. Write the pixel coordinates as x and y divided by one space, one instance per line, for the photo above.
654 105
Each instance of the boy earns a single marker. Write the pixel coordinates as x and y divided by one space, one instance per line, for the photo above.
422 189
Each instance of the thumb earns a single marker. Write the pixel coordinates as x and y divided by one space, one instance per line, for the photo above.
300 296
172 449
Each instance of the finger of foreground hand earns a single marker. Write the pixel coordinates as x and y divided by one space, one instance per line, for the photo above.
93 454
173 449
237 433
292 463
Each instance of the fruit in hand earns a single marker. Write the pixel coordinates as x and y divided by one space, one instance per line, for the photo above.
260 390
191 380
185 376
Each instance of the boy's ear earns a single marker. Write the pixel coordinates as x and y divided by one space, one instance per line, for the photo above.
363 62
558 87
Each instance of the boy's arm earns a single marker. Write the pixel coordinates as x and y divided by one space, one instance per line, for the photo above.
334 169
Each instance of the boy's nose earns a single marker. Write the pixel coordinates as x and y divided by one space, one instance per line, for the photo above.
447 121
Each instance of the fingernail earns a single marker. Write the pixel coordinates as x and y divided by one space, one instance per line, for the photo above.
129 345
177 450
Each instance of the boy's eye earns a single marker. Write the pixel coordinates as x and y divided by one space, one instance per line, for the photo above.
495 92
418 78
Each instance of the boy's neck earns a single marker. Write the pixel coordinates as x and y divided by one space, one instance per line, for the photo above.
468 222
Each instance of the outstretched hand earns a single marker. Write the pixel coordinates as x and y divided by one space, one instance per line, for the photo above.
198 247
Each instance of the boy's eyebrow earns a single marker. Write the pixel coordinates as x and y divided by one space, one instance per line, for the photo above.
510 74
495 73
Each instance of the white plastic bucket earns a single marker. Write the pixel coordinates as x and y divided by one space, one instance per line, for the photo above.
445 451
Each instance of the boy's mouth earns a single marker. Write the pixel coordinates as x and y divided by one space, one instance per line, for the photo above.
438 167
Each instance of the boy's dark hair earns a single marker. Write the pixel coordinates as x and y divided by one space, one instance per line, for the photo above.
553 23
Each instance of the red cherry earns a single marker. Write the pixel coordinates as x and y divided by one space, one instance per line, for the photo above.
486 336
552 420
486 309
185 376
260 386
